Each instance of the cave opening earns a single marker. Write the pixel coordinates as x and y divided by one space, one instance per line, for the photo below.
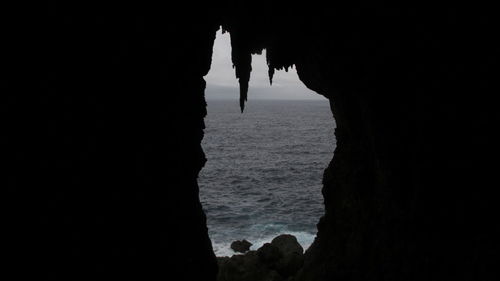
265 166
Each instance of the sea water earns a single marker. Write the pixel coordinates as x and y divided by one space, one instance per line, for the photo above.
264 170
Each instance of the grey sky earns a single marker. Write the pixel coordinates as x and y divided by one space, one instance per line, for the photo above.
222 83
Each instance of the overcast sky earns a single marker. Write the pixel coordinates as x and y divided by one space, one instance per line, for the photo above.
222 82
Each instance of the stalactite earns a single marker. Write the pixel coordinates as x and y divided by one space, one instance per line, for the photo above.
271 74
242 62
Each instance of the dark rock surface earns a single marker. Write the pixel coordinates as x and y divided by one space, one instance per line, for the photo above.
292 254
241 246
269 254
278 260
408 194
287 244
102 110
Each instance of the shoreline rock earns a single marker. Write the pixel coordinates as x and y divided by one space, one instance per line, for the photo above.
241 246
275 261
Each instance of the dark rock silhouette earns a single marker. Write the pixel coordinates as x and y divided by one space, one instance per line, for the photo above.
292 254
410 179
278 260
245 268
269 254
241 246
287 244
102 117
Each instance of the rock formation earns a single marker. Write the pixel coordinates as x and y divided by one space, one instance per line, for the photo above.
275 261
407 195
241 246
102 118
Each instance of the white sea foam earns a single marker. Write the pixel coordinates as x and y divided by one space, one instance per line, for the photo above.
223 249
305 239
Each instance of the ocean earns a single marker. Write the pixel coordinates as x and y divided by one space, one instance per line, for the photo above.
264 170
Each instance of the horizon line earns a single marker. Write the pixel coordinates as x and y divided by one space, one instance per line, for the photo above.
267 99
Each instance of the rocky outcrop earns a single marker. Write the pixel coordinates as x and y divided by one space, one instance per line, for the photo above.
275 261
241 246
292 257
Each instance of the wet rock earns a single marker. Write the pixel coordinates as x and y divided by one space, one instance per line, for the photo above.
241 246
287 244
269 254
292 257
246 267
275 261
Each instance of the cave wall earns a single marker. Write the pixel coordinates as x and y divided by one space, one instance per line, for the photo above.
406 198
102 118
408 195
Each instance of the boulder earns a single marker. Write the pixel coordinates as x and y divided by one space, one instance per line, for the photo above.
275 261
287 244
241 246
269 254
248 267
292 257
